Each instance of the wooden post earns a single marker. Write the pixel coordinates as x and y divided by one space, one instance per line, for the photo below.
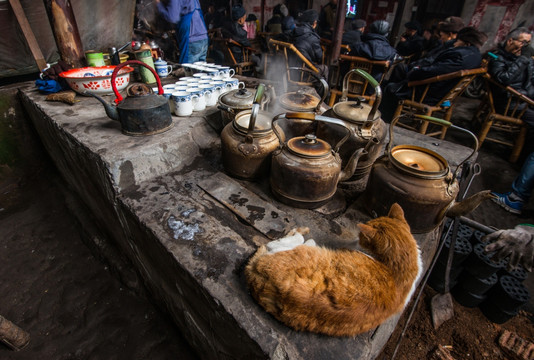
12 335
28 34
65 29
338 32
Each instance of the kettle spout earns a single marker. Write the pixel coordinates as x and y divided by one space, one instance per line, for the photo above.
111 111
471 203
349 169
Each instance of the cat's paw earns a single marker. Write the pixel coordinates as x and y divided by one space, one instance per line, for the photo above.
303 230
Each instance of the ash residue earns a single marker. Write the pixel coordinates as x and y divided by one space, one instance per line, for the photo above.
182 230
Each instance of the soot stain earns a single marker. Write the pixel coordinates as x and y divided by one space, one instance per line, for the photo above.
237 199
256 213
274 214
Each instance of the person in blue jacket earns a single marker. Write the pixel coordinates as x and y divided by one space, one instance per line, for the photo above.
191 32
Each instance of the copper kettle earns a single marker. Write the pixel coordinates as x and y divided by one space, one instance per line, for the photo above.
419 180
305 170
301 100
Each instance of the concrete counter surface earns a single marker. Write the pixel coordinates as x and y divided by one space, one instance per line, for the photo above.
146 195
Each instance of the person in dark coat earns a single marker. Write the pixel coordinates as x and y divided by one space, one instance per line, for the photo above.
411 42
308 42
513 69
327 20
353 36
464 55
374 46
234 30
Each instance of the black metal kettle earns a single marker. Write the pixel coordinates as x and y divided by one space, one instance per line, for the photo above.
142 112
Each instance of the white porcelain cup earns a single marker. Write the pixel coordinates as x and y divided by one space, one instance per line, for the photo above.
198 98
211 98
202 76
187 78
168 93
226 72
212 72
218 87
183 103
162 68
234 83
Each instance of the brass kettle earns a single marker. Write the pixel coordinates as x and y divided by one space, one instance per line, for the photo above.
302 101
305 170
420 181
248 141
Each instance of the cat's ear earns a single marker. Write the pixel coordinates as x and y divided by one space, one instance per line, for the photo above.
396 212
367 230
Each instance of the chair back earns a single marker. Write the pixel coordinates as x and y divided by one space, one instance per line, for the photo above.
292 57
245 67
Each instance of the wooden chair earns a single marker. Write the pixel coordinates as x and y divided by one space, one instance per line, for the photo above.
357 85
293 58
419 89
508 120
246 67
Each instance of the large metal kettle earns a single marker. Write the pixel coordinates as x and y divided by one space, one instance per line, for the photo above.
420 181
305 170
248 141
142 112
367 129
302 101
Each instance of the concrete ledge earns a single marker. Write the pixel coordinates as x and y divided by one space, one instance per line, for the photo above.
189 249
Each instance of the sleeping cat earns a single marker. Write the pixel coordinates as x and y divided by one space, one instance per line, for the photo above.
337 292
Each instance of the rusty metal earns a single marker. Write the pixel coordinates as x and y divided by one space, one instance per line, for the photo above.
420 181
65 30
246 151
264 217
12 335
237 100
305 170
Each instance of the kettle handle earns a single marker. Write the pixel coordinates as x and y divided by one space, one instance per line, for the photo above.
436 121
116 71
311 117
323 82
371 80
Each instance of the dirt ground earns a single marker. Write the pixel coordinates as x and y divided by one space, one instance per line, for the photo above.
74 308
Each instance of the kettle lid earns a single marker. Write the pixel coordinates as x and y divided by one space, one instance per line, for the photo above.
419 161
354 111
298 101
238 98
309 146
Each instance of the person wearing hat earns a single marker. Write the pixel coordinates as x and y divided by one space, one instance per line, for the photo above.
235 30
464 55
190 29
411 42
353 36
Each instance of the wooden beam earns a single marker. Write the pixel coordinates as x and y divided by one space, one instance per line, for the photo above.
28 34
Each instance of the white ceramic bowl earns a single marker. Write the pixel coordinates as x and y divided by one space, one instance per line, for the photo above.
96 80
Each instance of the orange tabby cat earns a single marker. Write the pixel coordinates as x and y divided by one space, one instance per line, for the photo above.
338 292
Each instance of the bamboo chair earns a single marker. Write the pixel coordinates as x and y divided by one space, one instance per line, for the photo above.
246 67
508 120
294 58
419 89
358 85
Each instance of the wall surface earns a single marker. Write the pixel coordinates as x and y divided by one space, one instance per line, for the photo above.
101 23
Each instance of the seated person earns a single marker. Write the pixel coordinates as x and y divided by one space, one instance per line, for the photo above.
447 30
307 41
274 25
411 42
288 22
353 36
464 55
514 70
374 46
235 30
327 20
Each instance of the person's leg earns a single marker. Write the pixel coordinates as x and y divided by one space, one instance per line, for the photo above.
198 50
524 182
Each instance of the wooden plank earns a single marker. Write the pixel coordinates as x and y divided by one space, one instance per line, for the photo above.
28 34
264 217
